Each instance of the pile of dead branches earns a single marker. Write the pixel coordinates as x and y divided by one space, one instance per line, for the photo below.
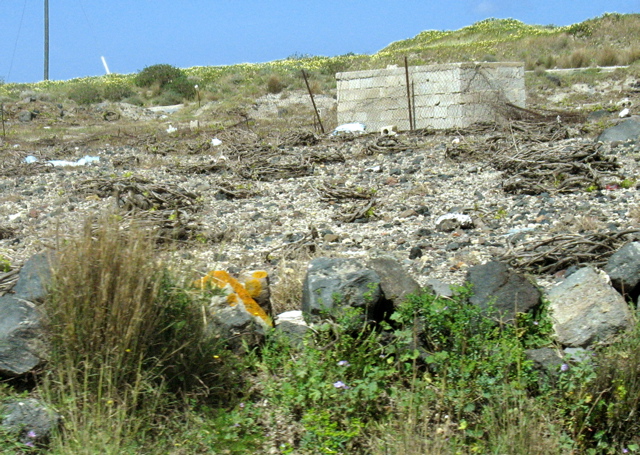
265 171
132 194
384 144
165 208
15 167
303 248
297 139
559 252
335 192
328 155
548 168
358 211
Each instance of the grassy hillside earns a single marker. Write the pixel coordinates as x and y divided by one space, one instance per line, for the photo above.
603 41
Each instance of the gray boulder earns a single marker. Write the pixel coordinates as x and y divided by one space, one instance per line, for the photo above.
293 325
338 282
236 326
546 360
439 287
623 267
30 420
22 346
623 131
586 309
26 116
34 278
509 292
22 342
395 282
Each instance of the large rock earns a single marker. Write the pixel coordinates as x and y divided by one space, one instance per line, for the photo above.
22 342
338 282
623 267
395 282
22 346
30 420
509 292
236 316
293 325
586 309
34 278
546 360
623 131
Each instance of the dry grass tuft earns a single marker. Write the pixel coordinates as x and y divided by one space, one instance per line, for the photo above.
286 293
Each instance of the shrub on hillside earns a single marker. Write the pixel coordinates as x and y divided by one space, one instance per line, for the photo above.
274 84
159 75
183 87
84 93
608 56
116 91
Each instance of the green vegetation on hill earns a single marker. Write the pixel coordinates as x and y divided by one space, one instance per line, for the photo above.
603 41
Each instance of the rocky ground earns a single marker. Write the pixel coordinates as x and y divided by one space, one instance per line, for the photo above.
273 201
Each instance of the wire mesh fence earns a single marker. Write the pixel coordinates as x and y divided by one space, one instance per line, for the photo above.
434 96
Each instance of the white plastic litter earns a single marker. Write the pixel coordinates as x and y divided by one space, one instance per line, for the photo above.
354 128
215 142
464 220
624 113
81 162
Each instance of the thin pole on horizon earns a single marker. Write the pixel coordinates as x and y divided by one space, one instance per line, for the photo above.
46 40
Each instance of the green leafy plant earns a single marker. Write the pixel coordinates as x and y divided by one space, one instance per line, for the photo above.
85 93
160 75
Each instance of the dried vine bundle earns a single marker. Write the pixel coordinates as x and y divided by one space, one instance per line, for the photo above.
303 248
266 171
8 280
297 138
385 144
139 194
358 211
556 169
335 192
561 251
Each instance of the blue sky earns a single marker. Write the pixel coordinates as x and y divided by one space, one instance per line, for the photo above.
134 34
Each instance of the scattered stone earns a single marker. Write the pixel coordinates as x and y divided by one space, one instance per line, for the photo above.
26 116
452 221
586 309
415 252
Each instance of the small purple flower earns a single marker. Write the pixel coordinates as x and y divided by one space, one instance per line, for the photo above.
32 434
344 363
625 450
29 444
340 385
241 405
535 322
564 367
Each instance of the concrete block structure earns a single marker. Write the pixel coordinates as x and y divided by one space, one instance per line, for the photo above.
454 95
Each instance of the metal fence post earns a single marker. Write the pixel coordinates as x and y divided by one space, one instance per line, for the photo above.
406 72
306 81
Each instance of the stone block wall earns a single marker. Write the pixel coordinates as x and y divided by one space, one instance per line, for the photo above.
453 95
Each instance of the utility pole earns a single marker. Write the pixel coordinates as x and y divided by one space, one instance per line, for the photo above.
46 40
